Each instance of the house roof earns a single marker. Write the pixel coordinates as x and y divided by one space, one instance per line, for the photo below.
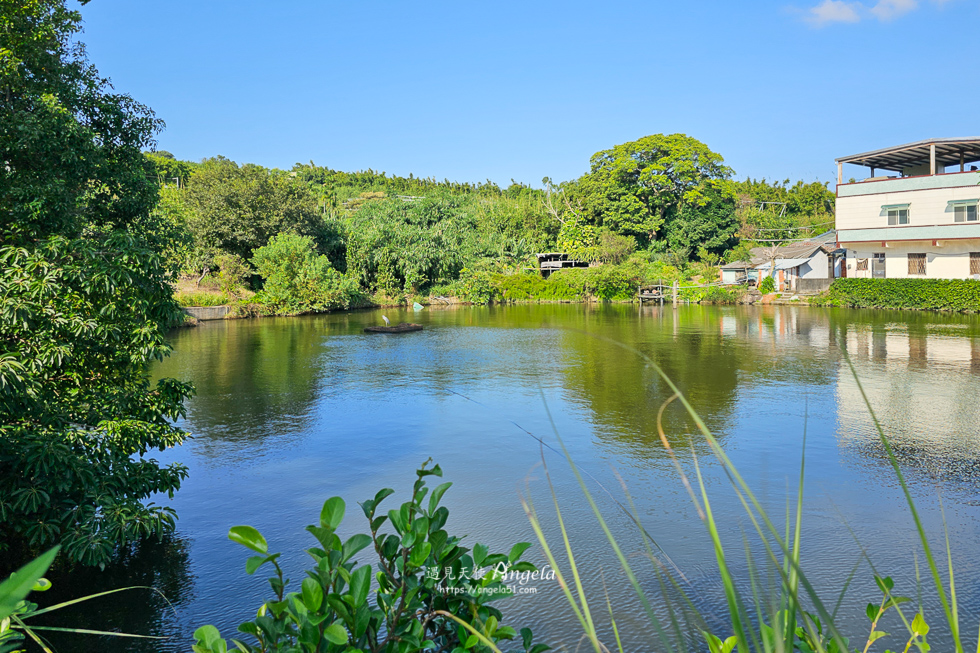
900 157
785 263
804 250
738 265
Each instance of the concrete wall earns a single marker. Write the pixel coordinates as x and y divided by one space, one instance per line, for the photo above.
877 186
950 261
207 312
813 285
816 268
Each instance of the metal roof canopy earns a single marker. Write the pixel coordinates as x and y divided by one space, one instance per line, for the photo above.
900 157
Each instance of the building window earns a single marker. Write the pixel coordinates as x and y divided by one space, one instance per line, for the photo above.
862 265
917 264
974 263
898 216
965 213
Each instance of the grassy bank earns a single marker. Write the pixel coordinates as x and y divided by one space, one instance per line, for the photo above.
912 294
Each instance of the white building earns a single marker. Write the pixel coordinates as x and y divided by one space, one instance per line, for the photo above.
920 221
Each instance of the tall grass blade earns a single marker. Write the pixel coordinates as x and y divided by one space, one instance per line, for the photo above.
645 602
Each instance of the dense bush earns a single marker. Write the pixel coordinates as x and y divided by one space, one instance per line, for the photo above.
604 282
78 414
767 285
430 592
298 280
923 294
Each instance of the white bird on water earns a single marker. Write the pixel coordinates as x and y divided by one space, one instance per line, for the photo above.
387 321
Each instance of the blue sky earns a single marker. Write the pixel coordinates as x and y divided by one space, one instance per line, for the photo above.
472 91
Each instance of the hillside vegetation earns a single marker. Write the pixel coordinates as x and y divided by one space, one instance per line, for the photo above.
662 207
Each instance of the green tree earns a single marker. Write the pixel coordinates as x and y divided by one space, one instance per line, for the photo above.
85 297
239 208
710 227
636 187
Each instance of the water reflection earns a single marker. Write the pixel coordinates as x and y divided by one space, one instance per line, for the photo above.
291 411
162 565
921 380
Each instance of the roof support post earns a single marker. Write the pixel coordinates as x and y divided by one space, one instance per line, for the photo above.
840 172
961 162
932 159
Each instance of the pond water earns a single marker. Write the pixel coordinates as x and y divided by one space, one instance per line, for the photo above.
291 411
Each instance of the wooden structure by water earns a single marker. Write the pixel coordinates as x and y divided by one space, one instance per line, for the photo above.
404 327
658 292
549 262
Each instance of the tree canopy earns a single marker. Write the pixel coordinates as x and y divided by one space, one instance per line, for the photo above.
637 187
85 297
237 209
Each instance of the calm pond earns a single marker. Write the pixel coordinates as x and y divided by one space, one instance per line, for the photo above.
291 411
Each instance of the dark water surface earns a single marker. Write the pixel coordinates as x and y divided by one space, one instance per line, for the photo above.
291 411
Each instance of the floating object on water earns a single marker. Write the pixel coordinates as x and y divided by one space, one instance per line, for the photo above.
404 327
418 307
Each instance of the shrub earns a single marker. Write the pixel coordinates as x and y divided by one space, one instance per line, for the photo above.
611 282
476 285
923 294
298 280
768 285
429 595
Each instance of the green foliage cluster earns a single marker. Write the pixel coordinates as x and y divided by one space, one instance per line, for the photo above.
919 294
767 285
335 183
85 299
298 280
232 272
711 294
170 171
236 209
604 282
430 592
769 211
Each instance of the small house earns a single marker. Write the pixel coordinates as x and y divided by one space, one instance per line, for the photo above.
805 266
739 272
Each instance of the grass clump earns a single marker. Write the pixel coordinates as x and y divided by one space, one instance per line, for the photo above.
202 298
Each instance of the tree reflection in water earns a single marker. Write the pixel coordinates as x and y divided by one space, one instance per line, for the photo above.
161 564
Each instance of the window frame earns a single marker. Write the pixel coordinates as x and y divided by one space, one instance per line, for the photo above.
974 263
914 259
895 217
965 210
